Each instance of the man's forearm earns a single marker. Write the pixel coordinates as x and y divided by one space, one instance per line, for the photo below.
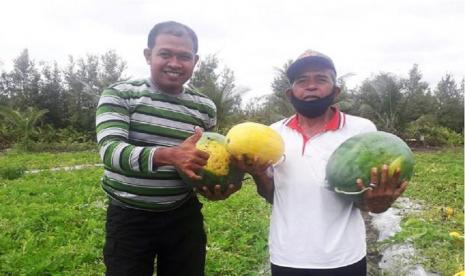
265 186
120 156
163 157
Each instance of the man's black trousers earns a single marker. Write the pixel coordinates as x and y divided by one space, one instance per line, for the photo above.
134 238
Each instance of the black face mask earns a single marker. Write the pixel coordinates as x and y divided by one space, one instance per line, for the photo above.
314 108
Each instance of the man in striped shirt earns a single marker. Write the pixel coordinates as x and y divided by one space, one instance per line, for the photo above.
145 132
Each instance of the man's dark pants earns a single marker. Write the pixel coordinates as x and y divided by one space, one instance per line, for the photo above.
357 269
134 238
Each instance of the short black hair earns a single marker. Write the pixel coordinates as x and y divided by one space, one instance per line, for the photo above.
172 28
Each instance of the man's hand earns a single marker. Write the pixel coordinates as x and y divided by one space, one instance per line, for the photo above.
251 166
216 194
381 195
258 170
185 157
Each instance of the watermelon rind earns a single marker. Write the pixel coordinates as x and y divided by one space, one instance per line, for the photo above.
219 170
359 154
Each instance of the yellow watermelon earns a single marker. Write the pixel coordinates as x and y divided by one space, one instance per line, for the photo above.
218 170
253 139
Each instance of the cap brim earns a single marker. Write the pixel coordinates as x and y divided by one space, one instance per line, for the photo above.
319 62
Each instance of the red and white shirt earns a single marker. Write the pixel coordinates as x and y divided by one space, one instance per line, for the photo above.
311 226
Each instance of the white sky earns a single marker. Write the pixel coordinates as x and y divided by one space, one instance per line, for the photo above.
363 37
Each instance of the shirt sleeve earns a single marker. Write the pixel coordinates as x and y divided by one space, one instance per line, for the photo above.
212 121
112 127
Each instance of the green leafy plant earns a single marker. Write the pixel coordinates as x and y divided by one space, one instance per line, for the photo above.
52 223
49 134
438 186
426 130
23 122
11 172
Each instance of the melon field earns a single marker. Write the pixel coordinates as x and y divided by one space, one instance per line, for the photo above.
52 221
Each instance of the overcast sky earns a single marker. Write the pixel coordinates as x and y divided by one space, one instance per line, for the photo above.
252 37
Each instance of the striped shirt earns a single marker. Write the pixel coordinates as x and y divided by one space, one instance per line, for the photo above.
134 119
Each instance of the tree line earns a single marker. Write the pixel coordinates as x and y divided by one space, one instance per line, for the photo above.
66 99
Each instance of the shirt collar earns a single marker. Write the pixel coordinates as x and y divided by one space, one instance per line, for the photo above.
336 122
155 88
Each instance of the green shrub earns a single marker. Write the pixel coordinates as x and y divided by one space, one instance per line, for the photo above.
434 135
4 142
11 172
48 139
6 136
62 147
48 134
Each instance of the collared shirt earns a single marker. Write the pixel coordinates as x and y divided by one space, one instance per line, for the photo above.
311 226
336 121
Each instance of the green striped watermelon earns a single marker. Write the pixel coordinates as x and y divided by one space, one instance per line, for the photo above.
356 156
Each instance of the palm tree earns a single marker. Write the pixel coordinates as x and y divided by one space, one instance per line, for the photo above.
23 123
277 104
220 88
380 100
227 100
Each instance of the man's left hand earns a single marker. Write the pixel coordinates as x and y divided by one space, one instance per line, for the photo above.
381 195
216 194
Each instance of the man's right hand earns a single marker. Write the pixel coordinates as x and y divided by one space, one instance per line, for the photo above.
258 170
185 157
252 166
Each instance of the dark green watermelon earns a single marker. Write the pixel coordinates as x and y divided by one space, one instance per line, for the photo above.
356 156
209 179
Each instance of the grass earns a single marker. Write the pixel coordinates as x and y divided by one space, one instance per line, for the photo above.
237 231
438 184
46 160
438 178
52 223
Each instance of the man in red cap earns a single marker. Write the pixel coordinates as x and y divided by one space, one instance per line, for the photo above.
313 231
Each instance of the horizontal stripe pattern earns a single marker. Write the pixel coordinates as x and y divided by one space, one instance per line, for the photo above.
134 158
160 140
143 202
134 181
133 120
